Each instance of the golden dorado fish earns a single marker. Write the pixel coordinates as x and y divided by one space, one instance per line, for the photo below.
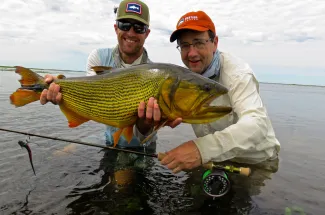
113 96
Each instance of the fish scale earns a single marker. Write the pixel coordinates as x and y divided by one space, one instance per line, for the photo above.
110 102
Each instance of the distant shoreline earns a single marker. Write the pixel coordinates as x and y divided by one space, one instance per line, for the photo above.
39 69
299 85
261 82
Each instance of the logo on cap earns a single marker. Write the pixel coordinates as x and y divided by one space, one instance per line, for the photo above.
187 18
133 8
180 21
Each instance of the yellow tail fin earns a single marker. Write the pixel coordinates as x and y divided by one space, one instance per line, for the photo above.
31 86
23 97
28 77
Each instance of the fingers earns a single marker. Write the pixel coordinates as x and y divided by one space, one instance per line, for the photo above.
175 123
150 109
177 169
184 157
49 78
141 109
156 112
52 94
43 99
58 98
151 112
167 159
172 164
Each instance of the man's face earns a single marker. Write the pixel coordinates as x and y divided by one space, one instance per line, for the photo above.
198 58
131 42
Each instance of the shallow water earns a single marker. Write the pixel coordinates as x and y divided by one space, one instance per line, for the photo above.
76 179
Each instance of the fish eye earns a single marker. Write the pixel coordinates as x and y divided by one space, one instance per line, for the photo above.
206 87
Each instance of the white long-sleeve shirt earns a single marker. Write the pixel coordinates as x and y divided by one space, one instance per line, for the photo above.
246 134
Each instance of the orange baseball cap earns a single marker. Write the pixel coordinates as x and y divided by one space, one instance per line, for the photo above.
197 21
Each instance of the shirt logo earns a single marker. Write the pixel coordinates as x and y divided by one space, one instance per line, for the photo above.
133 8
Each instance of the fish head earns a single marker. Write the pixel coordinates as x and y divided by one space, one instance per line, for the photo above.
189 95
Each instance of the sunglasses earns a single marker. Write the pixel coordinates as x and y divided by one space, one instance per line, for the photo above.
126 26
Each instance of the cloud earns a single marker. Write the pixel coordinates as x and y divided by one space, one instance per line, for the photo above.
62 33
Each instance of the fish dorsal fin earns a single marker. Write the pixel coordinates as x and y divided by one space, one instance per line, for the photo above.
101 69
60 76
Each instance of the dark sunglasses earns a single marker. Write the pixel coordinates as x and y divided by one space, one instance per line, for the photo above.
126 26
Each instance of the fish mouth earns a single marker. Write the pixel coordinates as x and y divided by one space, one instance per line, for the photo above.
206 107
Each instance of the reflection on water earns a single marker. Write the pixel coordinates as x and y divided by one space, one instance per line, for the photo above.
76 179
151 190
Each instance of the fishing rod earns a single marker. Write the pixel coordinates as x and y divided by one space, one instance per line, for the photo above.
80 142
215 179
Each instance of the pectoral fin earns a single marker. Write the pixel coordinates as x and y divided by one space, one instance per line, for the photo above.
73 118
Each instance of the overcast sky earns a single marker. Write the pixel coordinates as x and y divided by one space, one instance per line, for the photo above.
284 41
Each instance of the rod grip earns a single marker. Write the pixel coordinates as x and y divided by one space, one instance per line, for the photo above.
161 156
245 171
208 165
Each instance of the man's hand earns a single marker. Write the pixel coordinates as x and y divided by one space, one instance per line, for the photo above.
184 157
150 116
53 93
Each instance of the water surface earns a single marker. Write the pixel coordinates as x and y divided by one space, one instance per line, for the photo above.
76 179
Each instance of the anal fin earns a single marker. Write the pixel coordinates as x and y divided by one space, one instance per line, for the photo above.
127 132
116 136
73 118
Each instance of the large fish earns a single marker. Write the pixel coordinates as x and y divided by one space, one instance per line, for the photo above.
112 97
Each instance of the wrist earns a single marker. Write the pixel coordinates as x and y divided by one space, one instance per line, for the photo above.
145 129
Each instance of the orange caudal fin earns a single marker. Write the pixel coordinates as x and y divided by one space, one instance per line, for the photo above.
23 97
28 77
32 85
73 118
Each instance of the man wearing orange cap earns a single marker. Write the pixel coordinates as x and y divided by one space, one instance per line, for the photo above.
246 134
